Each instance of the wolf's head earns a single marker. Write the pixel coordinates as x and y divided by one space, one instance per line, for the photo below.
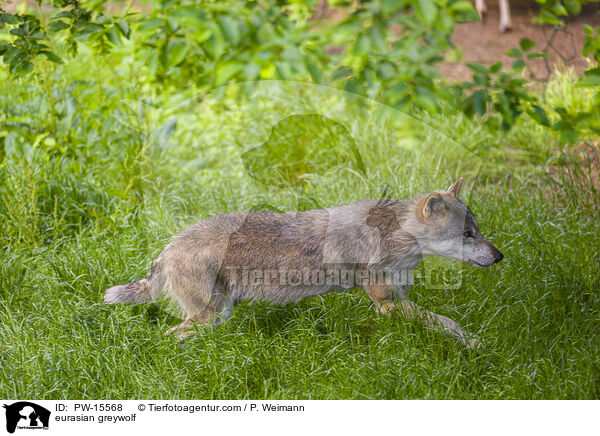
447 228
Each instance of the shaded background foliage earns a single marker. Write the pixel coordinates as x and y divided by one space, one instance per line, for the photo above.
387 50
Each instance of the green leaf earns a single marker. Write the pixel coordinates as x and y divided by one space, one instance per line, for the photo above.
549 17
284 70
592 71
202 35
505 109
51 56
11 52
561 125
151 24
464 11
251 71
526 44
573 6
266 33
341 72
354 86
426 11
514 53
558 9
568 135
123 27
176 52
102 20
427 102
8 18
389 7
468 105
561 111
85 31
230 29
478 68
518 65
112 34
188 16
313 69
362 46
480 102
496 66
215 45
57 26
21 68
378 37
590 80
18 32
539 115
64 14
226 71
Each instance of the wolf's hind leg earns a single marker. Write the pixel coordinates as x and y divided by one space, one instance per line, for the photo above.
383 298
202 314
195 323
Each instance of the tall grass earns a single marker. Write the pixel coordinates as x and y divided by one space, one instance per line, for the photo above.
98 174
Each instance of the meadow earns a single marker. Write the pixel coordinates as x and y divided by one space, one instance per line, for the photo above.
98 170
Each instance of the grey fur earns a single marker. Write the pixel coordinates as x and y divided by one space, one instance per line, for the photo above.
203 267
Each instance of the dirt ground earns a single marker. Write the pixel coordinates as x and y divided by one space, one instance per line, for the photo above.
484 43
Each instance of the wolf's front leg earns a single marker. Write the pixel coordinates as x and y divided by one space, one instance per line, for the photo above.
433 320
382 296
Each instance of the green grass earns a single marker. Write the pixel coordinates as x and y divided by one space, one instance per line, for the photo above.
92 186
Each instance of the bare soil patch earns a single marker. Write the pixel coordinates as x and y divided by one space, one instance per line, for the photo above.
484 43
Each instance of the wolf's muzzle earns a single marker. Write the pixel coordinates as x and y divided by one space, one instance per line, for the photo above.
498 257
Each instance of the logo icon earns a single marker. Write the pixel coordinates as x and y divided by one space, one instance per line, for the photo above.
26 415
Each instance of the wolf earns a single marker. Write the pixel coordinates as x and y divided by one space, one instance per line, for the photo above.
285 257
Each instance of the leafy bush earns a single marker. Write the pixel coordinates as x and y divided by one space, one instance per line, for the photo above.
390 49
381 49
553 11
500 92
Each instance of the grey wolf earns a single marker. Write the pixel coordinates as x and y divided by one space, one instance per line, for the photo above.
285 257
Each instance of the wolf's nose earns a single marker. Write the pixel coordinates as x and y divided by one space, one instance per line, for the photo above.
499 257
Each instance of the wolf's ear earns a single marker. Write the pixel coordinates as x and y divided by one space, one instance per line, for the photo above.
455 188
433 203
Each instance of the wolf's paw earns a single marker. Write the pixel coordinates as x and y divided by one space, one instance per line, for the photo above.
172 331
475 342
470 340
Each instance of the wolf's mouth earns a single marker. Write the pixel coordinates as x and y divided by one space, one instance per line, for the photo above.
479 265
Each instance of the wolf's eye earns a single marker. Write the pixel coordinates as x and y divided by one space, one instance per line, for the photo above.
468 234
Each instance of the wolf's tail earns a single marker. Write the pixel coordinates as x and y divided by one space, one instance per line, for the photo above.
144 289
